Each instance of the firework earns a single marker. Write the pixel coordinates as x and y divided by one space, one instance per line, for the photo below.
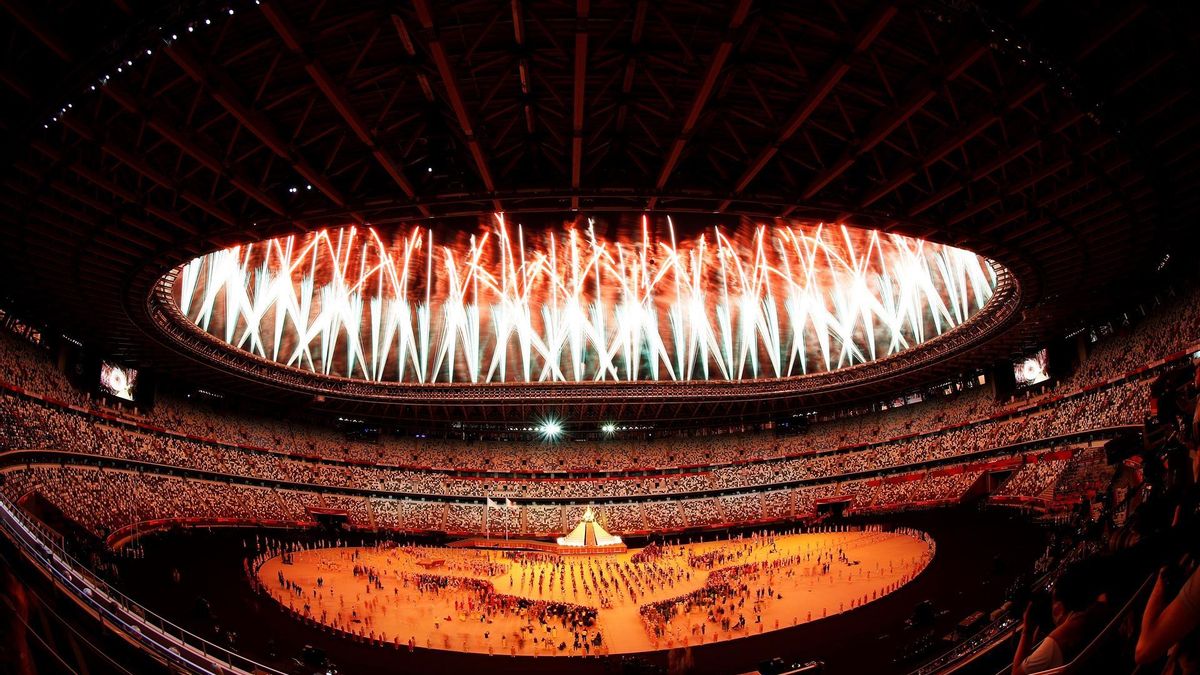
569 306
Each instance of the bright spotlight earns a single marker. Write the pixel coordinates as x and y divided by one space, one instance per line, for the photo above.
609 428
550 429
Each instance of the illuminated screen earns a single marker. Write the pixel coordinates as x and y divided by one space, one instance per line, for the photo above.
118 381
1032 370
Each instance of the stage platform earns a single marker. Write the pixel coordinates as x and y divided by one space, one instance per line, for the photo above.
501 544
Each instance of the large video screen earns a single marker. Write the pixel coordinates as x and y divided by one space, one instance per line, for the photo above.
1032 370
118 381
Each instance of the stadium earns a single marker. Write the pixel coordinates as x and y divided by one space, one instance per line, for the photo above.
599 336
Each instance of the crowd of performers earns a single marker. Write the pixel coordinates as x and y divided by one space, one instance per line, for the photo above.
743 577
547 626
735 588
607 580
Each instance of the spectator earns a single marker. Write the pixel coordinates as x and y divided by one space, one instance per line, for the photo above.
1074 609
1169 627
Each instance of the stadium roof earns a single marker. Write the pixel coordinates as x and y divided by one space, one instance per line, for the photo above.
1058 139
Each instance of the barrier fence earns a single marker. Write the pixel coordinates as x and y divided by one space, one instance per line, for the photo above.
167 642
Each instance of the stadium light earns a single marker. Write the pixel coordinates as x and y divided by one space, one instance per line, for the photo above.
609 428
550 429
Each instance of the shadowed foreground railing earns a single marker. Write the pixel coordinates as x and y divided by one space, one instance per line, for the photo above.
166 642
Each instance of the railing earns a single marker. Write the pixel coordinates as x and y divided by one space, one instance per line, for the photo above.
1081 662
999 631
987 638
578 473
165 641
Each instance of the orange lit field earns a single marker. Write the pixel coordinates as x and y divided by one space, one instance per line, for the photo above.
490 602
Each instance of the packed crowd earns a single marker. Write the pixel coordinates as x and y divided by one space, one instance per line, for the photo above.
1087 473
400 514
866 458
104 501
28 423
1125 594
1162 332
107 500
1033 479
917 489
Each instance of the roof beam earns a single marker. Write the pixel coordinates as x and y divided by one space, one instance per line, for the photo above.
138 163
132 198
635 41
185 142
916 99
953 142
715 66
1013 188
1118 21
578 105
450 84
524 74
37 28
411 50
336 95
16 84
817 93
222 88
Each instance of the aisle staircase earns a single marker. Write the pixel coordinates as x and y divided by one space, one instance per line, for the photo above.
1047 493
374 525
1087 471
